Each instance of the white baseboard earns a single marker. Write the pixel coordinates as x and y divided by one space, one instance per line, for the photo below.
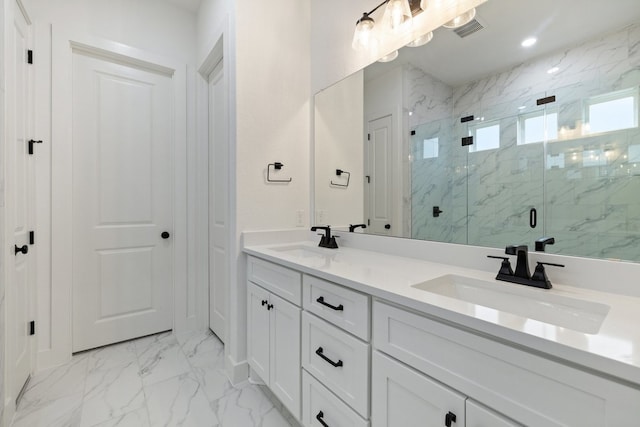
238 372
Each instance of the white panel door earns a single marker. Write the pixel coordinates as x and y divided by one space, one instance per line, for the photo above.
20 205
379 188
122 201
218 203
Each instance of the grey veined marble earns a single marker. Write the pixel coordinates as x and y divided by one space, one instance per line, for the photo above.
155 381
583 183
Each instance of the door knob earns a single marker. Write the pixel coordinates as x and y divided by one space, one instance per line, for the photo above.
24 249
165 235
387 226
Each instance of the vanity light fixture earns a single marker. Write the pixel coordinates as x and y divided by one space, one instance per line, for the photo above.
422 40
397 17
461 20
529 42
390 57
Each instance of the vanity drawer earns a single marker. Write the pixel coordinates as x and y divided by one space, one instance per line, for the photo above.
319 403
280 280
528 388
338 360
336 304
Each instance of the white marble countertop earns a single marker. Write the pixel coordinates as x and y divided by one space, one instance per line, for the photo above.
613 351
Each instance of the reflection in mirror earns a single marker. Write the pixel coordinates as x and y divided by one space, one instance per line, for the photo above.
479 139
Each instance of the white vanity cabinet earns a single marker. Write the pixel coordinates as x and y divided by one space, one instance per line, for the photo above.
403 397
335 354
273 331
522 385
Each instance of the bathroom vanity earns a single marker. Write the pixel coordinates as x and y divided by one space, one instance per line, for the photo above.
353 337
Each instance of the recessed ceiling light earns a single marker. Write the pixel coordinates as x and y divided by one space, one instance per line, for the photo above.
529 42
522 107
553 70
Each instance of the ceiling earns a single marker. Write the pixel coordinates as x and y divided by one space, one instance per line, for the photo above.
556 24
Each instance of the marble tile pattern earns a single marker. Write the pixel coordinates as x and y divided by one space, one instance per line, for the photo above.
591 206
160 380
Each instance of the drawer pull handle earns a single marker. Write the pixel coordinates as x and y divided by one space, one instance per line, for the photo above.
449 418
326 359
326 304
320 417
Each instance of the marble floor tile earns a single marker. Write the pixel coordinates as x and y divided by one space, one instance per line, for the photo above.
112 393
248 406
209 371
138 418
161 360
195 343
149 382
179 401
63 412
52 384
111 356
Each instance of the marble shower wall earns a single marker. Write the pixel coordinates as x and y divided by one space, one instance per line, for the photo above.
585 190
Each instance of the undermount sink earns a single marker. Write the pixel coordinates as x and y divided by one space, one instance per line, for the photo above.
558 310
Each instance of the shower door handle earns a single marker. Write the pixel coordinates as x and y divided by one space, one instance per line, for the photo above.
533 218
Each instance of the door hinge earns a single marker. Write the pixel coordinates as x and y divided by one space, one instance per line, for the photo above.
29 56
32 237
368 137
369 222
467 140
32 327
31 142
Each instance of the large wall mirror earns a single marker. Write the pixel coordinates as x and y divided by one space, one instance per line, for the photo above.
476 139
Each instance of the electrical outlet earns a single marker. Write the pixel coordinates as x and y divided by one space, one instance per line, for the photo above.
300 218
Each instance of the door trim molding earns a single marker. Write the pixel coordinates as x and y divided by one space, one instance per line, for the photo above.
63 44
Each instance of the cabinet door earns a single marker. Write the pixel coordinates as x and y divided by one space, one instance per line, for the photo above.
481 416
285 353
258 330
402 397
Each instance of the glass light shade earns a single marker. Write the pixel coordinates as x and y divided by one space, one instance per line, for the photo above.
363 33
460 20
390 57
422 40
397 15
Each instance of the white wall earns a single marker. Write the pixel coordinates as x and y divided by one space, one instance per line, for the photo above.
338 138
268 63
154 26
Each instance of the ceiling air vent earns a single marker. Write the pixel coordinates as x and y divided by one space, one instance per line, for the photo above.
467 29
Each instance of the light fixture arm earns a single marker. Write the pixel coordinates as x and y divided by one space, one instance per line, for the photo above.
377 7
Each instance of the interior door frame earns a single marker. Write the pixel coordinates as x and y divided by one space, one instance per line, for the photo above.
64 43
13 8
397 166
218 72
219 48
